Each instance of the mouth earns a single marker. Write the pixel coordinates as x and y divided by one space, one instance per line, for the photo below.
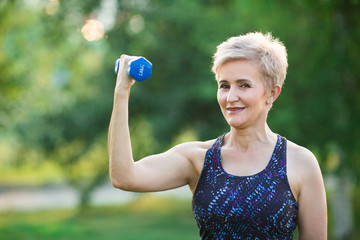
233 110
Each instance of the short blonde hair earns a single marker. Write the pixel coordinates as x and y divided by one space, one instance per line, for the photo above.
267 52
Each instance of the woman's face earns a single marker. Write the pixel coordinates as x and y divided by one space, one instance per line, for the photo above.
242 94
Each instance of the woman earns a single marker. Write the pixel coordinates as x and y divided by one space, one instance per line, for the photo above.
249 183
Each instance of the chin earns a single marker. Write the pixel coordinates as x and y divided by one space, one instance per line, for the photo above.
235 123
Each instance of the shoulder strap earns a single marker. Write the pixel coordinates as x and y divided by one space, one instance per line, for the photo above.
278 159
213 153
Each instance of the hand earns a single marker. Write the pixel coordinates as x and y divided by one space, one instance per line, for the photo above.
123 80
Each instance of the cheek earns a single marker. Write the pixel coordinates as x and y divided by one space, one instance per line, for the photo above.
220 98
256 96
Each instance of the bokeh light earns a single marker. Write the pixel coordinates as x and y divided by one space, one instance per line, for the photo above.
93 30
137 24
52 7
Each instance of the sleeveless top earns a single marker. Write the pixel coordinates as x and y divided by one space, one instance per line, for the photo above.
260 206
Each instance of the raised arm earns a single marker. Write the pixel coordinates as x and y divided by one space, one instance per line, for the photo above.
163 171
119 145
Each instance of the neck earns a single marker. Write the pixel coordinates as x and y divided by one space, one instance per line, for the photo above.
248 138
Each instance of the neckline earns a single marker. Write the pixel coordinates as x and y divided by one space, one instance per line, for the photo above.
252 175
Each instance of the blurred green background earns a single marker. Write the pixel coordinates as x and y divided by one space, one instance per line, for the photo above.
56 89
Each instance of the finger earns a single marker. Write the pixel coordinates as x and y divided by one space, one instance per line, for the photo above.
122 77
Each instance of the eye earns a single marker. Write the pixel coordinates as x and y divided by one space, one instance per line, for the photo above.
245 85
224 86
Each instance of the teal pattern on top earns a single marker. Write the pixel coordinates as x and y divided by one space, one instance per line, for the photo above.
260 206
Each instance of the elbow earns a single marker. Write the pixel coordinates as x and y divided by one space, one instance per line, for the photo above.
115 183
120 183
122 177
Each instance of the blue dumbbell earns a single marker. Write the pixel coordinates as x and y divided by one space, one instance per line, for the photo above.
139 69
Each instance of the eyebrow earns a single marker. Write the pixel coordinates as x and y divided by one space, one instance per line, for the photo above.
238 80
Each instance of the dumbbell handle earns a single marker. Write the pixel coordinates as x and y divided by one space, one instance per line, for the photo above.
139 69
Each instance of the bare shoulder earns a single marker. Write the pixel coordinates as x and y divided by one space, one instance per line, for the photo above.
302 168
193 150
301 158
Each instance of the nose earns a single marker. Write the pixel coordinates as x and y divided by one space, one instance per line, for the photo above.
232 95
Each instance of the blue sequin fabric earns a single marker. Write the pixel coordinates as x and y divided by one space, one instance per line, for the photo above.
259 206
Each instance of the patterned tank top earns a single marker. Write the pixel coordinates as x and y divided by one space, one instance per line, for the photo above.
260 206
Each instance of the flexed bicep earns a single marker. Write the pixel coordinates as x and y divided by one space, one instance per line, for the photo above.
171 169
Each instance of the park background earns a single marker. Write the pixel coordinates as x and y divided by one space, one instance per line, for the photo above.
56 89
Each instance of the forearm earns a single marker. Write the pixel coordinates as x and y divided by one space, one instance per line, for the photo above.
121 160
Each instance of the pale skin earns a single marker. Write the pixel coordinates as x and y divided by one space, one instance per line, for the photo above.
245 102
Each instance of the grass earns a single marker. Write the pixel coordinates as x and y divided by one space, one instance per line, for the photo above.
147 218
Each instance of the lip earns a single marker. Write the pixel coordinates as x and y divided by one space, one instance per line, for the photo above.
235 109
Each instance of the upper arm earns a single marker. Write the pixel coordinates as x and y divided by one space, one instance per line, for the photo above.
171 169
312 218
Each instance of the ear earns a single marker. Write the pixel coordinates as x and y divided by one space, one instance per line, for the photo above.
273 94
